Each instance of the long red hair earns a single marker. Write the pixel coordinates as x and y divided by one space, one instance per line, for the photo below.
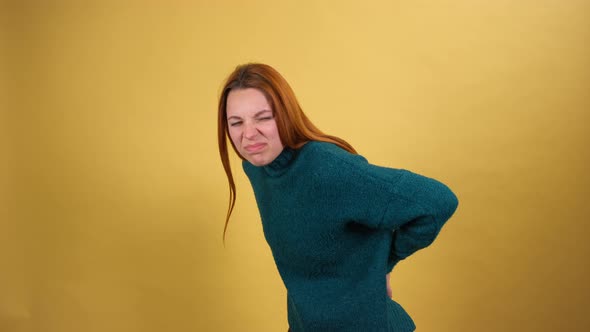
294 128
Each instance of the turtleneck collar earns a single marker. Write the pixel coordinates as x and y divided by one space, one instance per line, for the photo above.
281 163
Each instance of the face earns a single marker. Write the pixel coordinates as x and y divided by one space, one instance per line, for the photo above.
252 126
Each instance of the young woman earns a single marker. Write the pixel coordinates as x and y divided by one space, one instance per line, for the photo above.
336 224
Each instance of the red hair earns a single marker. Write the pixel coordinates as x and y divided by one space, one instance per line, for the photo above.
294 128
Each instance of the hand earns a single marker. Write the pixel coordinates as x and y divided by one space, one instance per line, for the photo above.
389 292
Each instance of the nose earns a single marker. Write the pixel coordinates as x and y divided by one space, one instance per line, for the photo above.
250 130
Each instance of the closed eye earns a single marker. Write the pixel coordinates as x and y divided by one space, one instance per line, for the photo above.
235 124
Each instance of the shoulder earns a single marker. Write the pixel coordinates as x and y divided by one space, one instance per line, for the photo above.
333 162
329 153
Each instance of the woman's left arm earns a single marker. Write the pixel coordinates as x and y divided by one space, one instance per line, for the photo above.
412 206
417 213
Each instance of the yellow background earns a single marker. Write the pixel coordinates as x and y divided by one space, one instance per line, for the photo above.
113 195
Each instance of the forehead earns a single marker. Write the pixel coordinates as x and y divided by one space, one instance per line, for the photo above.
244 102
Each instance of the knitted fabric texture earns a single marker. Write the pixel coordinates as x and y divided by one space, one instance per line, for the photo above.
336 225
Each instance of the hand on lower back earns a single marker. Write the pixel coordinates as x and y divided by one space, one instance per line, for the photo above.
389 293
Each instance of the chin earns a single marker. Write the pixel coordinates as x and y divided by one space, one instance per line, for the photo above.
258 163
256 160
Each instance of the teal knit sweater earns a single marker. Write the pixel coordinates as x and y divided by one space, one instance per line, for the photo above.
336 226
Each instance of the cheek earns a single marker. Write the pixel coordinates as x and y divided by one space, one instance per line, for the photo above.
275 134
234 135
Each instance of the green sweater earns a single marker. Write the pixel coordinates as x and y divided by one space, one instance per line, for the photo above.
336 226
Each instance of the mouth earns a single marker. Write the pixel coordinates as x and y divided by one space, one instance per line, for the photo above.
254 147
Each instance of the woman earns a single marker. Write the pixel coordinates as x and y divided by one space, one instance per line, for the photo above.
336 224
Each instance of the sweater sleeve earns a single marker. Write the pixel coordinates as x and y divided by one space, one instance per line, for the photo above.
417 210
412 206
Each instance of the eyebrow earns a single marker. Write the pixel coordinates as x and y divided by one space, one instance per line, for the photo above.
255 115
